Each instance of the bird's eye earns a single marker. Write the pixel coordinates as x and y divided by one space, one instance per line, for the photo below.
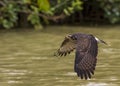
73 37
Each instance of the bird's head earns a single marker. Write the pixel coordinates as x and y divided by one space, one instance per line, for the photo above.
71 37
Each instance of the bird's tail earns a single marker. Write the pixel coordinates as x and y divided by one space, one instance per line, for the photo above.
100 41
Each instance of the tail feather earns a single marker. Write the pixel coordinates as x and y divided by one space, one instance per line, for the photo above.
100 41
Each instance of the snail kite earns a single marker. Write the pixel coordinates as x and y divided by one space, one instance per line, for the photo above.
86 46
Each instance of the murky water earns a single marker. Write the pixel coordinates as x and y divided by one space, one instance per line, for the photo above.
26 58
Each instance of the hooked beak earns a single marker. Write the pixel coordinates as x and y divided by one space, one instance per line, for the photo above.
68 37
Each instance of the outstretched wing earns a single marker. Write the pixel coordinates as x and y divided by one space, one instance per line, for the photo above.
66 47
86 57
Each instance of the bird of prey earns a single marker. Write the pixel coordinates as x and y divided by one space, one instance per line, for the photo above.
86 46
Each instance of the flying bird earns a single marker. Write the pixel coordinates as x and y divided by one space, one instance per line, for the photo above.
86 46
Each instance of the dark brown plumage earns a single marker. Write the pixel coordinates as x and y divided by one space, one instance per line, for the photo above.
86 52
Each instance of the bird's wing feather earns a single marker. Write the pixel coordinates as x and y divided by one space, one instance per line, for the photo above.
85 60
66 47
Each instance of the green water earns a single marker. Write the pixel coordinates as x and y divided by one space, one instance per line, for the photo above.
26 58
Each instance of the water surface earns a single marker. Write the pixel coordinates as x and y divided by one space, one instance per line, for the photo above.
26 58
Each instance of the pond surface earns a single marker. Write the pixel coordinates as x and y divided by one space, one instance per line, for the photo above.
26 58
